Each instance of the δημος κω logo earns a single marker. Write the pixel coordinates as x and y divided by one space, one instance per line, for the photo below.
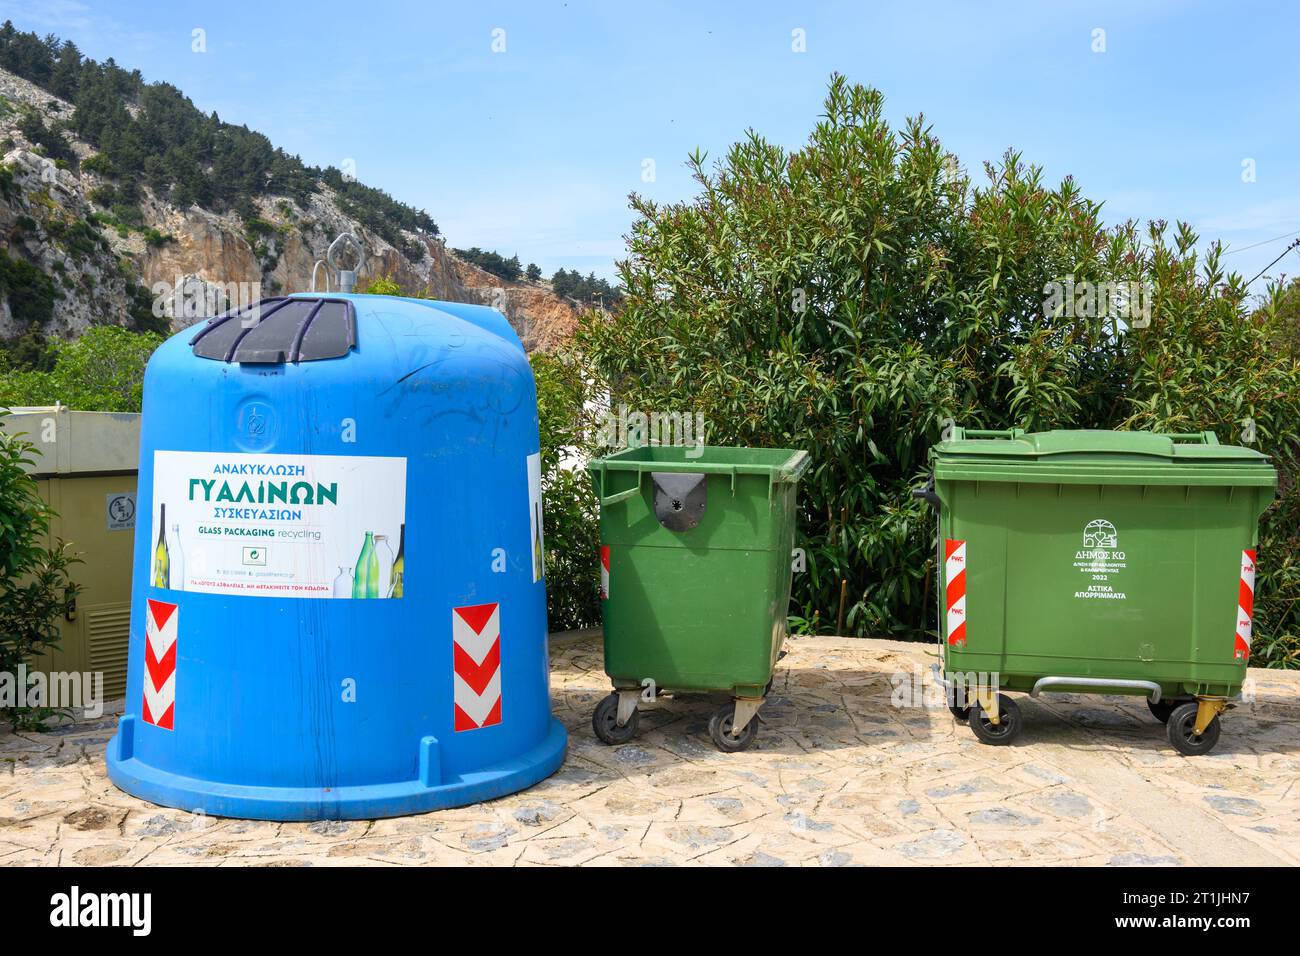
1100 534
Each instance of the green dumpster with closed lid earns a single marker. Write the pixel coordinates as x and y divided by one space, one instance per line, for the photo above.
695 549
1089 561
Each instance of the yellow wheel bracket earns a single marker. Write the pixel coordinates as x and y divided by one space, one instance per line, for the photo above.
988 701
1206 711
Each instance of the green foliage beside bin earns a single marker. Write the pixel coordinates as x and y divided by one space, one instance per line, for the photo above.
34 582
568 502
103 370
853 296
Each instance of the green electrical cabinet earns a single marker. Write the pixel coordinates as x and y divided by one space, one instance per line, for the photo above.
696 571
1096 561
85 465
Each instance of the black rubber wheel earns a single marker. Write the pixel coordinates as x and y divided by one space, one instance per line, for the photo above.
1181 731
1162 710
720 725
1004 731
962 714
604 721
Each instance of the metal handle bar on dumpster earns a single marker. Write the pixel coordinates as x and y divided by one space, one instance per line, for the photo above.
1099 683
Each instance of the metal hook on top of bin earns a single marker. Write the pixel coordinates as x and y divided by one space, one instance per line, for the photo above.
347 277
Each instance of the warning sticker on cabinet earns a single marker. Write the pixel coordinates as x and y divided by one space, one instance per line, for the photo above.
309 526
1100 562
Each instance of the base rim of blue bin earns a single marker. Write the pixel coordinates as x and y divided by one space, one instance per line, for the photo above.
365 802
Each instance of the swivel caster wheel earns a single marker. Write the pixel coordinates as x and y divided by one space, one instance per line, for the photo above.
1181 729
604 721
1004 731
720 725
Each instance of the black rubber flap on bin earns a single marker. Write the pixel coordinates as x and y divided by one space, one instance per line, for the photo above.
280 330
679 499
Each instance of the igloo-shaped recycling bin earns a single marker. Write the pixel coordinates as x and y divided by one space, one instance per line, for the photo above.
338 606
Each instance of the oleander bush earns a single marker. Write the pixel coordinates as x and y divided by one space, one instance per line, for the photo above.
568 504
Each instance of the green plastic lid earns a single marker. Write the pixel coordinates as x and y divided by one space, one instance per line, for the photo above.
1098 456
1067 444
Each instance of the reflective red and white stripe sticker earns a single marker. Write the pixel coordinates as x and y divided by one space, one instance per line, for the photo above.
160 631
1245 606
954 576
476 660
604 572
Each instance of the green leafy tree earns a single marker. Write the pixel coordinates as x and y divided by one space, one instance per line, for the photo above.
383 285
50 138
1276 640
568 510
493 262
30 291
34 583
101 371
589 290
170 144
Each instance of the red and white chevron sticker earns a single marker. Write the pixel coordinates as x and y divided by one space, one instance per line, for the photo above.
604 572
954 576
160 628
476 660
1245 607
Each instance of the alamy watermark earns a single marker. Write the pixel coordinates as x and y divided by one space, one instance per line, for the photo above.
56 690
1126 301
191 298
917 688
625 428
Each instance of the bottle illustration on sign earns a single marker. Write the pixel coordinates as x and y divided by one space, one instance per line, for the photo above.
343 583
365 582
176 559
161 560
537 542
384 554
399 567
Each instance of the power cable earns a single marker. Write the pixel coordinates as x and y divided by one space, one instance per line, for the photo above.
1293 245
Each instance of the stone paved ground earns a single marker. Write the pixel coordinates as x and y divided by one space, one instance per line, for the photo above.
838 776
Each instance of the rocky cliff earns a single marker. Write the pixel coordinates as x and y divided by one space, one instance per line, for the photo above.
106 272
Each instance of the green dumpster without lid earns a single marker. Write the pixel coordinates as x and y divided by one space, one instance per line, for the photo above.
696 569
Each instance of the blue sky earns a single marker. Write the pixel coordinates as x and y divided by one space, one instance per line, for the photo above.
533 150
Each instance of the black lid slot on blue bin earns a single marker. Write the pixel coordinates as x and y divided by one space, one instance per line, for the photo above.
280 330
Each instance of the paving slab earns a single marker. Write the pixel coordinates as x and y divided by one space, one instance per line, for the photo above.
841 775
